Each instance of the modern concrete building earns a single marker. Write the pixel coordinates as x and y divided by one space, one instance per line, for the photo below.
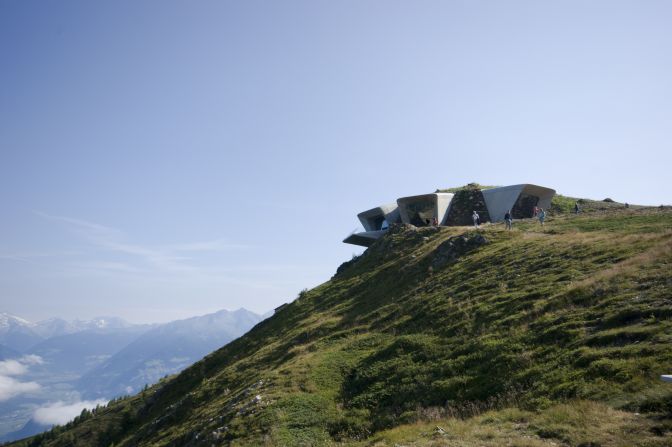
421 210
375 222
380 217
520 199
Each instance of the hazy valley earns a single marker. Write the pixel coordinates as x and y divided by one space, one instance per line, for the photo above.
50 370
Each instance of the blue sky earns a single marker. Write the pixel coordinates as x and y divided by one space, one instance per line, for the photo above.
161 159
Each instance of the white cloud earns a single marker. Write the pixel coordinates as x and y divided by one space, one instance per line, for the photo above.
214 245
12 368
31 359
168 258
59 413
29 257
11 387
17 367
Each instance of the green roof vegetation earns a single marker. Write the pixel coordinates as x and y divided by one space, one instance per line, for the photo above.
468 186
446 336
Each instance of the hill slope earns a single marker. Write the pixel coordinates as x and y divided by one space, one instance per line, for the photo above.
537 336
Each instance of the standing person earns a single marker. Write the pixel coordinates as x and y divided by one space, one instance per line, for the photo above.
576 208
508 220
541 216
435 222
535 211
476 219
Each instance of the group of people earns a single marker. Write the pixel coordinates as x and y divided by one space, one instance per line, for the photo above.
539 213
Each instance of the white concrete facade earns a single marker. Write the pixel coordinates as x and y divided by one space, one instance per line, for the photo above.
375 218
425 207
500 200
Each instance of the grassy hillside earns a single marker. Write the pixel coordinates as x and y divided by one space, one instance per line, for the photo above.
441 337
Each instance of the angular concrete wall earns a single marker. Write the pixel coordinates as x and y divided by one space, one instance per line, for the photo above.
372 220
416 209
501 200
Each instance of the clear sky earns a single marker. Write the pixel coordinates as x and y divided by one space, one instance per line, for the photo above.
161 159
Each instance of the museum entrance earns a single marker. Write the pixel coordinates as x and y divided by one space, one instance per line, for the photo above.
420 213
524 206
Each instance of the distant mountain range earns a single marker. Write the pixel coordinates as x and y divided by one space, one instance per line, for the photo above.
104 357
17 333
164 350
53 327
82 351
20 335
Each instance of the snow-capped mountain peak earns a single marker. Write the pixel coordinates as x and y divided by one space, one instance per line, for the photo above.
7 320
17 333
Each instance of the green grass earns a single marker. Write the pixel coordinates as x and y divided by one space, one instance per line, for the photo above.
575 423
550 335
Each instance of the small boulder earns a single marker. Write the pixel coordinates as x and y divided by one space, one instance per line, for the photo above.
455 247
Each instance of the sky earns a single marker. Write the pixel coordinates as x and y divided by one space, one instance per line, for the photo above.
164 159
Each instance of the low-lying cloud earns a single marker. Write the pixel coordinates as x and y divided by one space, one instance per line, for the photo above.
59 413
10 386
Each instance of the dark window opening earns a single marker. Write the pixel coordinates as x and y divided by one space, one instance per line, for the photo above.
524 206
376 223
421 213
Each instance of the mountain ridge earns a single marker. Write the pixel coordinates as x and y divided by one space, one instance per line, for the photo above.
533 327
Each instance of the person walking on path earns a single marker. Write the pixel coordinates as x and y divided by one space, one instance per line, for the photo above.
508 220
576 208
541 216
476 219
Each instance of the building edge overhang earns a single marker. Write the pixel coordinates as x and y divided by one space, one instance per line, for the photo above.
364 238
431 195
381 210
